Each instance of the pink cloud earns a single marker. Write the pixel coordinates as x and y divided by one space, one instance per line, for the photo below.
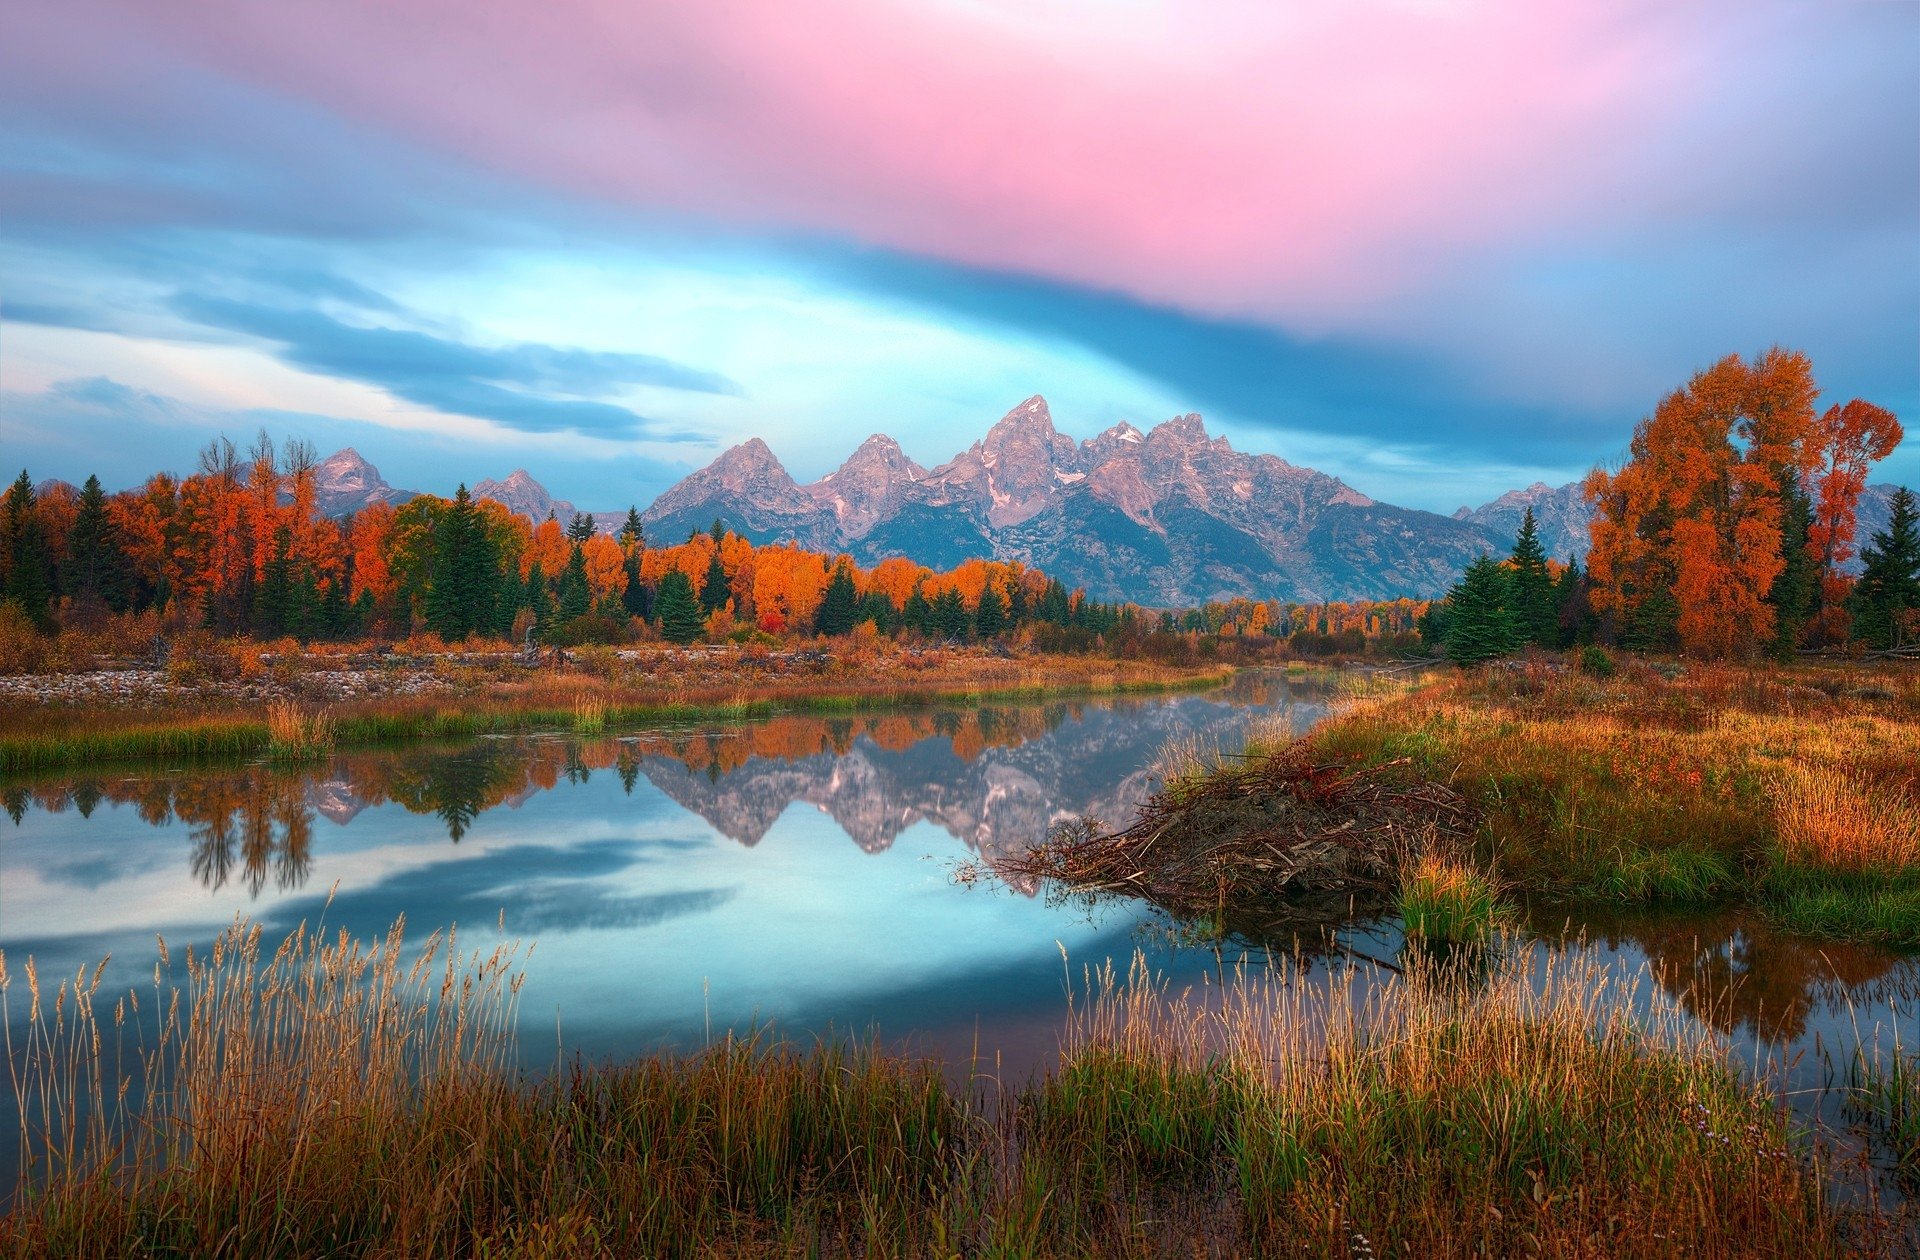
1283 159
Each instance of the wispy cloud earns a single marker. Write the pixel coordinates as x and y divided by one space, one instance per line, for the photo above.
514 385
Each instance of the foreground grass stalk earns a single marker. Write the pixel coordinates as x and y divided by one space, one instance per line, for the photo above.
334 1098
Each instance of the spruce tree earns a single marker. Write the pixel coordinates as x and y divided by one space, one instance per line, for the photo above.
948 616
29 561
836 612
97 571
990 615
580 528
1530 588
1796 589
715 590
539 600
632 533
1480 625
1889 585
679 611
634 599
1575 608
465 571
877 608
576 593
273 596
916 614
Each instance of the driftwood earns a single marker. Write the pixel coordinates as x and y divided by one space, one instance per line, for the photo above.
1256 833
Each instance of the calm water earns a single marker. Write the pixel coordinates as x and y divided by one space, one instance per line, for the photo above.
794 870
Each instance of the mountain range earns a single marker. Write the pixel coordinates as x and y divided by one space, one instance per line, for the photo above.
1166 517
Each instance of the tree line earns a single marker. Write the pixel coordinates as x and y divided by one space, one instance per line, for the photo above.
1727 532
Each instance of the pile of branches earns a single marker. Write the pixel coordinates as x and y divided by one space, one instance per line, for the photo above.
1255 833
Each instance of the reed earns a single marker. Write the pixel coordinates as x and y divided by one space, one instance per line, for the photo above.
298 734
335 1098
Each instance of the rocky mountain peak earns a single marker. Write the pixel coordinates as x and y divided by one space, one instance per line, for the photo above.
344 482
524 496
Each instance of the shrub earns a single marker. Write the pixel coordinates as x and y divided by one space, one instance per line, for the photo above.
1594 660
22 647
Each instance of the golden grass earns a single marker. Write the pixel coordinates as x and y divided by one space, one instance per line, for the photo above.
1835 820
336 1098
297 733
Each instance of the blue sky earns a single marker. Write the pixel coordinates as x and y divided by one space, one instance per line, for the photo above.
1438 251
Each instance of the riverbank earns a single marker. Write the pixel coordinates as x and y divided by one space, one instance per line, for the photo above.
347 1101
1794 790
300 705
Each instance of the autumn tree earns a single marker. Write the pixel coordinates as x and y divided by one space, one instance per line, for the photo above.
1690 534
1848 440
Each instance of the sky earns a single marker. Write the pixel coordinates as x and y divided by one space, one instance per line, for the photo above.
1438 249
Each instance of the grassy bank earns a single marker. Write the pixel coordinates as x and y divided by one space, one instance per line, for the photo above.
337 1100
1796 789
610 696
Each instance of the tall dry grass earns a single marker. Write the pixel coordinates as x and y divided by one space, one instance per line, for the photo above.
340 1099
298 733
1836 820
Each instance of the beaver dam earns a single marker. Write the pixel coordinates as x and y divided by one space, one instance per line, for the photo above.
1265 838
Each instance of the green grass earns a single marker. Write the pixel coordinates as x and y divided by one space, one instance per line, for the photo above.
1445 904
1680 874
1862 906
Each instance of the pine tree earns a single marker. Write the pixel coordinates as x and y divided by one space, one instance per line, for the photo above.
580 528
715 590
877 608
1480 625
465 571
634 598
1054 606
1574 609
576 593
539 599
632 534
1889 585
273 596
97 571
836 612
29 580
1796 590
680 619
916 614
1530 588
990 615
948 616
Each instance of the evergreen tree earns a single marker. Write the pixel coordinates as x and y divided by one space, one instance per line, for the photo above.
539 599
1575 610
97 570
680 619
273 596
836 612
877 608
1017 609
1796 590
916 614
1480 625
1889 585
715 590
1530 588
990 615
580 528
948 616
718 532
632 533
1055 608
576 593
465 571
29 579
512 597
633 596
1654 624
